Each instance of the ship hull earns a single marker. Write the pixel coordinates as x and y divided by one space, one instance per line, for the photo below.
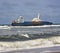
32 23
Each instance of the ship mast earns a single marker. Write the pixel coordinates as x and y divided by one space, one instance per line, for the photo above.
38 16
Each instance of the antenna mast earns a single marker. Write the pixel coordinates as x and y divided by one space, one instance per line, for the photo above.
38 16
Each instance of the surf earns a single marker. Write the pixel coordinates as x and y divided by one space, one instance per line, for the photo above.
14 30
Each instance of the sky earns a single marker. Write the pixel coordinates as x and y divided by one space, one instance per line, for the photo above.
12 9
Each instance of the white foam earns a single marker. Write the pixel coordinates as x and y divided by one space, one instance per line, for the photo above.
14 30
7 46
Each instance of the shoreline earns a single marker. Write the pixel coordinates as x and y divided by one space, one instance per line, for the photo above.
52 49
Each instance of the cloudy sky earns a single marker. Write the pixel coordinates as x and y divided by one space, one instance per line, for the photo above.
12 9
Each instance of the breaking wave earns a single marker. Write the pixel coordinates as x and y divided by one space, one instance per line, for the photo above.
29 37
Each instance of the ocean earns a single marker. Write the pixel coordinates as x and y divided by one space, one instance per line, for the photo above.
22 37
27 37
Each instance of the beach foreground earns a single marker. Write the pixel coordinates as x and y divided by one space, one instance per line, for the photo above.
53 49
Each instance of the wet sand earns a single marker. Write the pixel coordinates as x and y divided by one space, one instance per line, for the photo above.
54 49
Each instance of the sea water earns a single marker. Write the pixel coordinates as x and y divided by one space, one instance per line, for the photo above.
42 36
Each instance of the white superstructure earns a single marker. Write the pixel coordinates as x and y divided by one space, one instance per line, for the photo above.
20 19
36 19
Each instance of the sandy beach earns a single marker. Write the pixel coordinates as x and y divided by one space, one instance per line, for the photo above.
53 49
